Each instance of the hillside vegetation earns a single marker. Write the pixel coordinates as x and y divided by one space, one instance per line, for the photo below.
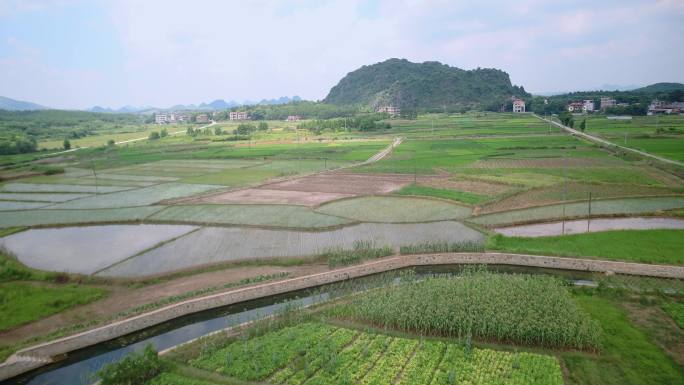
427 85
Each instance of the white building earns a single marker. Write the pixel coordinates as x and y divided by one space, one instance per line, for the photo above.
588 106
161 118
202 118
294 118
238 115
518 105
391 110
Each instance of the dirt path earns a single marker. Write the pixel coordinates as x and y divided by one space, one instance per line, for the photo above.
123 298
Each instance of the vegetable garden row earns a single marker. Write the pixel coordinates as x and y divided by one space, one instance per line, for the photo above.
320 354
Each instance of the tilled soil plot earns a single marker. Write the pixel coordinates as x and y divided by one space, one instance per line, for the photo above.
343 183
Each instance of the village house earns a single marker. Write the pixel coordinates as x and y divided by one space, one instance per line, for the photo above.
294 118
518 105
575 107
391 110
202 118
661 107
607 102
238 115
588 106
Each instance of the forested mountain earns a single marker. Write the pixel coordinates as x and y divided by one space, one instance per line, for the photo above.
428 85
18 105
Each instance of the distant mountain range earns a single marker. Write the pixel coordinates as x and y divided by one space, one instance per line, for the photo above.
218 104
18 105
402 83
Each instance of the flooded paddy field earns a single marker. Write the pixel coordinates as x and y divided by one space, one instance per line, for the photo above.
590 225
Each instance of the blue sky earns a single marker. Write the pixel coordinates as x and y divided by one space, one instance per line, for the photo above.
76 54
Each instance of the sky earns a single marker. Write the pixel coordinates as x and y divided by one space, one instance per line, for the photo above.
76 54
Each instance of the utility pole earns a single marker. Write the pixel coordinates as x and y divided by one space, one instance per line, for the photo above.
589 216
92 166
625 138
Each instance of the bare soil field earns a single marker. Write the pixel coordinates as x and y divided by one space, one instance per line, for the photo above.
345 183
472 186
269 196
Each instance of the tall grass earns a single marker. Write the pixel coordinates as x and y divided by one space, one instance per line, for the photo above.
527 309
443 247
362 250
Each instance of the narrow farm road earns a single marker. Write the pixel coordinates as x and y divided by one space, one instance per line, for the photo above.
384 152
127 141
610 144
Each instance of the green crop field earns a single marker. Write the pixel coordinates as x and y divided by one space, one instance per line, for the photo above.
649 246
660 135
394 209
528 310
59 217
314 353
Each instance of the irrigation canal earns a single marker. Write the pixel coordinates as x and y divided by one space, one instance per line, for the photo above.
80 366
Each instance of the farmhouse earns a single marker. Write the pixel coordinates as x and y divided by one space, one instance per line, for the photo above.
518 105
294 118
607 102
575 107
238 115
202 118
661 107
588 106
391 110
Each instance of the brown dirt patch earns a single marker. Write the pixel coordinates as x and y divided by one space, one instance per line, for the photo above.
345 183
543 163
268 196
662 329
466 185
123 298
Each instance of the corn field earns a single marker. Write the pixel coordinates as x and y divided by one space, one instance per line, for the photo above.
526 309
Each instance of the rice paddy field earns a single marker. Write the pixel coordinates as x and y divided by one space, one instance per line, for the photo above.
179 207
659 134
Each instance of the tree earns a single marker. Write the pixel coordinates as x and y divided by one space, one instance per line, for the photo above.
154 135
111 143
190 131
263 126
164 133
566 118
217 131
67 144
583 125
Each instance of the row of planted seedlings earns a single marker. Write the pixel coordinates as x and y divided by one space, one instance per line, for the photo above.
401 328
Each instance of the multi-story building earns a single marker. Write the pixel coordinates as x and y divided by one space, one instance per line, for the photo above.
238 115
661 107
294 118
391 110
202 118
588 106
575 107
607 102
518 105
161 118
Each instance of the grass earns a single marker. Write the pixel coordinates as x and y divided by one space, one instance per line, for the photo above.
442 247
251 215
362 250
676 311
389 209
459 196
647 246
628 356
22 302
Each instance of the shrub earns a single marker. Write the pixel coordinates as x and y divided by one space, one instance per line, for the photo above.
154 135
443 247
362 250
134 369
